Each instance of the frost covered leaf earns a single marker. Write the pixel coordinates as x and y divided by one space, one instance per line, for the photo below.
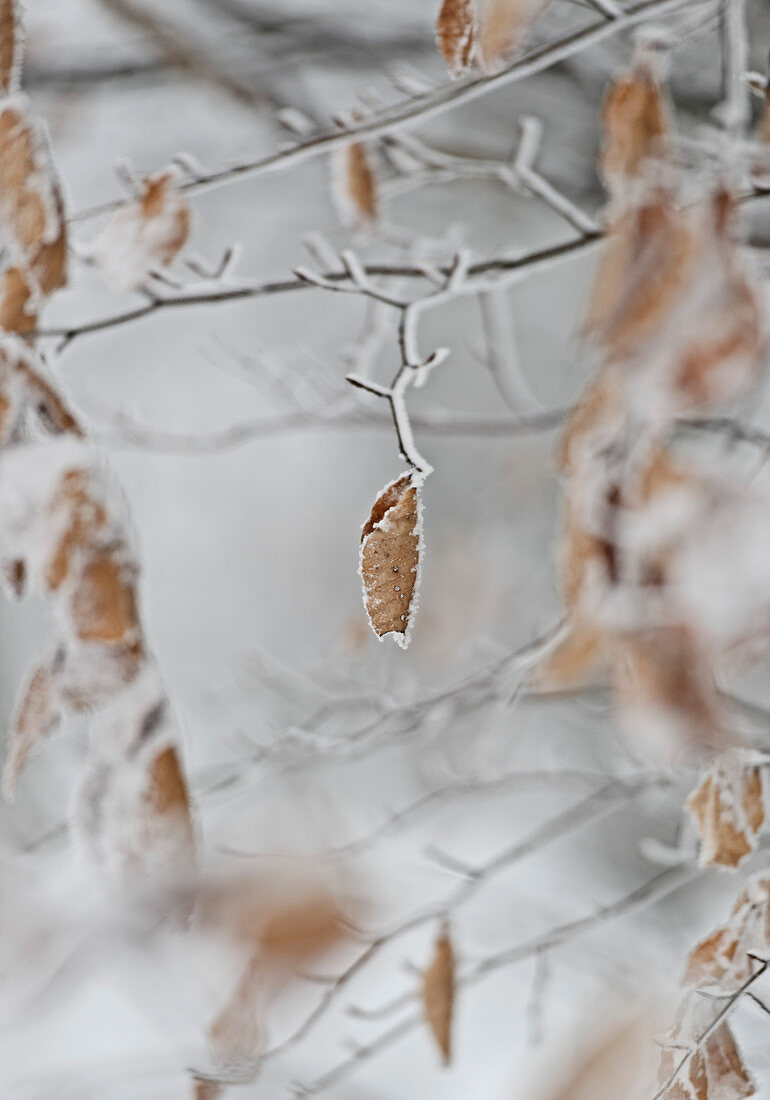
674 299
32 216
354 186
725 956
391 544
665 690
11 44
637 124
455 34
729 807
647 264
134 813
438 994
503 29
30 400
716 1071
36 716
145 234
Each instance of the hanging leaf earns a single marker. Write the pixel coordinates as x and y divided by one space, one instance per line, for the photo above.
455 34
391 547
725 956
637 125
503 30
729 807
36 716
11 44
438 994
354 187
32 216
716 1071
145 234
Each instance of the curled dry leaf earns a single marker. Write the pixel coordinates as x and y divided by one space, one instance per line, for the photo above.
716 1071
133 811
729 807
145 234
354 186
725 956
438 994
455 34
32 216
391 546
503 29
36 715
637 126
648 263
11 46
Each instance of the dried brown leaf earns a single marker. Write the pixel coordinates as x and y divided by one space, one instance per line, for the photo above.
438 994
715 1071
724 956
503 30
144 234
354 186
36 716
391 543
455 28
32 213
11 44
104 604
637 125
167 790
729 808
650 260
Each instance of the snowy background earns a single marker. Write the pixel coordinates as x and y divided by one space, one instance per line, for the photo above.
250 553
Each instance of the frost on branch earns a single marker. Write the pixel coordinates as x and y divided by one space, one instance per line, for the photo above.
143 235
729 807
438 994
354 187
390 557
455 34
